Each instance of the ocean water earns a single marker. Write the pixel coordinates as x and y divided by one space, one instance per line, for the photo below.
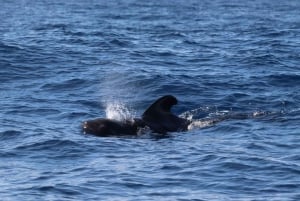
63 62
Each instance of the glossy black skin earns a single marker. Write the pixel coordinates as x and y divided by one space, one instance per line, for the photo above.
157 117
108 127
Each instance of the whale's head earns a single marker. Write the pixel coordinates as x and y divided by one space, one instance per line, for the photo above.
96 126
108 127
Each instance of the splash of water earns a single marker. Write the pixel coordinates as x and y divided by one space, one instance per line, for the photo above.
118 111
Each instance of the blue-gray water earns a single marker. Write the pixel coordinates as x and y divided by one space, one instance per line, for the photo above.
63 62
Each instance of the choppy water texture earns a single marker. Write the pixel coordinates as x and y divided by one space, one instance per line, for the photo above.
63 62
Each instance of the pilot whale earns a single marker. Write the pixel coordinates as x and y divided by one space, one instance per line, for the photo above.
158 117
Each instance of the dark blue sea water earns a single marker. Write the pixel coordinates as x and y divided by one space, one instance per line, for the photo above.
63 62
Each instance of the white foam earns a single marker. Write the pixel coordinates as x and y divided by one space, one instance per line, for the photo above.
200 124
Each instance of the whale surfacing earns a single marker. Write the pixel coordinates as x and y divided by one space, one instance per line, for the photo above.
108 127
158 117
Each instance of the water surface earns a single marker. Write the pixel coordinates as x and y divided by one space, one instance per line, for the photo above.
65 62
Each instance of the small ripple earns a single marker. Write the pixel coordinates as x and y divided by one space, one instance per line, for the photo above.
9 134
286 186
51 26
259 60
10 48
236 166
257 146
52 145
61 189
29 110
6 154
120 43
154 53
65 85
284 80
172 35
276 33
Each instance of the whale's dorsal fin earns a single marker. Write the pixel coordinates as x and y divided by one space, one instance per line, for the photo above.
160 118
163 104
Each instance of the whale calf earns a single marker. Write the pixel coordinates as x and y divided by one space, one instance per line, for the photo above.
158 117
